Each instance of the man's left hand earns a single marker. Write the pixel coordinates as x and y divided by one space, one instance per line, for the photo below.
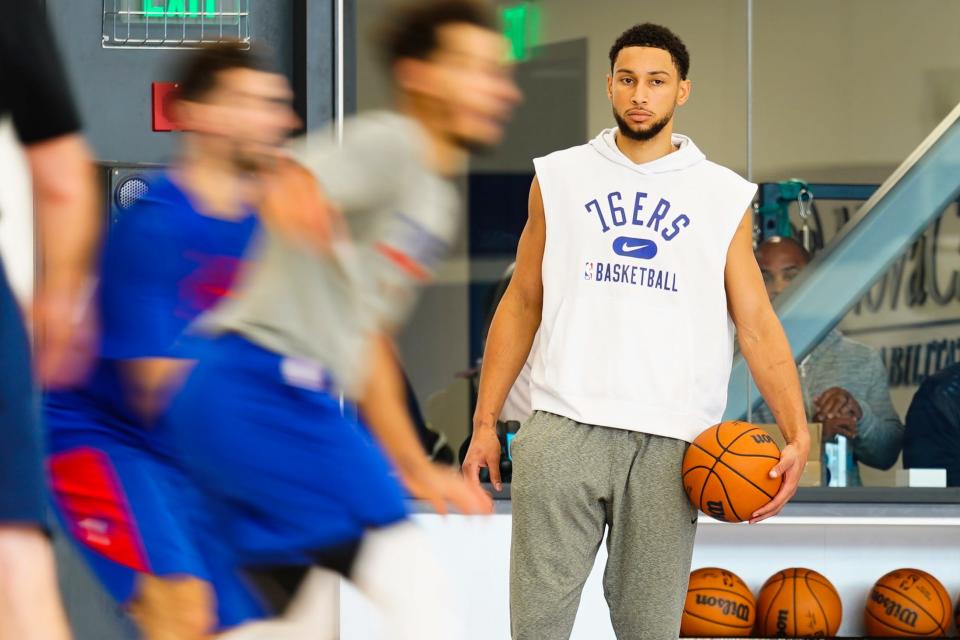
836 402
793 459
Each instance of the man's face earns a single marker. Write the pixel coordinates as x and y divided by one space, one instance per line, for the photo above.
780 262
469 83
645 88
247 115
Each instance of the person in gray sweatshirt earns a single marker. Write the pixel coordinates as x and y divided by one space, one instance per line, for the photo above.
845 381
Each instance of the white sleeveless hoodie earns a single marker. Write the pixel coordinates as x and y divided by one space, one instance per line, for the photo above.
635 332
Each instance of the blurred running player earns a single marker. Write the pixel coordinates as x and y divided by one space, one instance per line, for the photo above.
289 480
169 258
65 201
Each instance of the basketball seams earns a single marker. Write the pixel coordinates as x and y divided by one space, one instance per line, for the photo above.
934 583
751 455
794 578
699 466
748 480
890 626
732 442
725 494
783 579
826 620
722 624
703 488
936 620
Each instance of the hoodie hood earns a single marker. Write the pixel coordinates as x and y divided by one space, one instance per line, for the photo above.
686 155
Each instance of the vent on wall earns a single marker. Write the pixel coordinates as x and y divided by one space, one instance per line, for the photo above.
126 184
174 24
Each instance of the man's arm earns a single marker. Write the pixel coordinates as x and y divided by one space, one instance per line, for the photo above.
512 331
879 432
383 404
68 230
766 350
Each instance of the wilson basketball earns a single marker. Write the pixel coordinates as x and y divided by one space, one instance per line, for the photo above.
719 605
726 471
907 603
798 603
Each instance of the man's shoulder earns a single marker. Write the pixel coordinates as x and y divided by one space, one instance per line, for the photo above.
841 347
567 154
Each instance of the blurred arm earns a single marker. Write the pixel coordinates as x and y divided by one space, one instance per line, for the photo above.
766 350
879 432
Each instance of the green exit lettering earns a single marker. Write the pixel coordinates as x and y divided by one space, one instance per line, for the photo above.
521 26
179 8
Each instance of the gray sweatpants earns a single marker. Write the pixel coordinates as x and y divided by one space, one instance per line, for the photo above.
571 482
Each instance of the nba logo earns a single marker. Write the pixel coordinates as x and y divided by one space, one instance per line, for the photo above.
588 271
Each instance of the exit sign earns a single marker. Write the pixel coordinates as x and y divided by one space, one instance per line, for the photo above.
521 26
182 9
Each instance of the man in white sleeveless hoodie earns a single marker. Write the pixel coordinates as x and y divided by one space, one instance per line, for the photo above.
636 264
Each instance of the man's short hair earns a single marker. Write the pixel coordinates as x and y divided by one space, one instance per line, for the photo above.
411 28
199 72
780 240
657 37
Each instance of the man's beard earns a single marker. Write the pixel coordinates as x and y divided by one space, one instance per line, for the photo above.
644 134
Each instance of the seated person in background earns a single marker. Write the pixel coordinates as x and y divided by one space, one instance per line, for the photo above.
517 407
845 380
932 438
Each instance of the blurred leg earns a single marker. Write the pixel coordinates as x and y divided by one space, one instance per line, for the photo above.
173 608
30 606
398 572
313 614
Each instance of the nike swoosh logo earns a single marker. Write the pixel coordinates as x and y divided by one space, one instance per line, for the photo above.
639 248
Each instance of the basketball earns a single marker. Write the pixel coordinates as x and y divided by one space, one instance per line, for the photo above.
798 603
908 603
719 605
726 471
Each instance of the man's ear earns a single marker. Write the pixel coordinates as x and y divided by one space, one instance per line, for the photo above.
684 93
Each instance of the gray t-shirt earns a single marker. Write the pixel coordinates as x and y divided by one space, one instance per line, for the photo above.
323 307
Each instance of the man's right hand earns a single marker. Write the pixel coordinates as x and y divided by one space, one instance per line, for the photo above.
64 327
484 451
441 486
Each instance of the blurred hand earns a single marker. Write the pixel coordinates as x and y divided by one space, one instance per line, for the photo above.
441 486
793 459
295 206
484 451
63 322
835 402
842 425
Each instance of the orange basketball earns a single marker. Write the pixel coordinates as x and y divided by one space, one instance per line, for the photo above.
798 603
719 605
908 603
726 470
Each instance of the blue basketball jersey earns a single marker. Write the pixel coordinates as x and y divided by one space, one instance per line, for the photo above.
163 264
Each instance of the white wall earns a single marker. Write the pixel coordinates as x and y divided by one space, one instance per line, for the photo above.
851 552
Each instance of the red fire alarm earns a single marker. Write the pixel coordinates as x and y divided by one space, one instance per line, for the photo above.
162 116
